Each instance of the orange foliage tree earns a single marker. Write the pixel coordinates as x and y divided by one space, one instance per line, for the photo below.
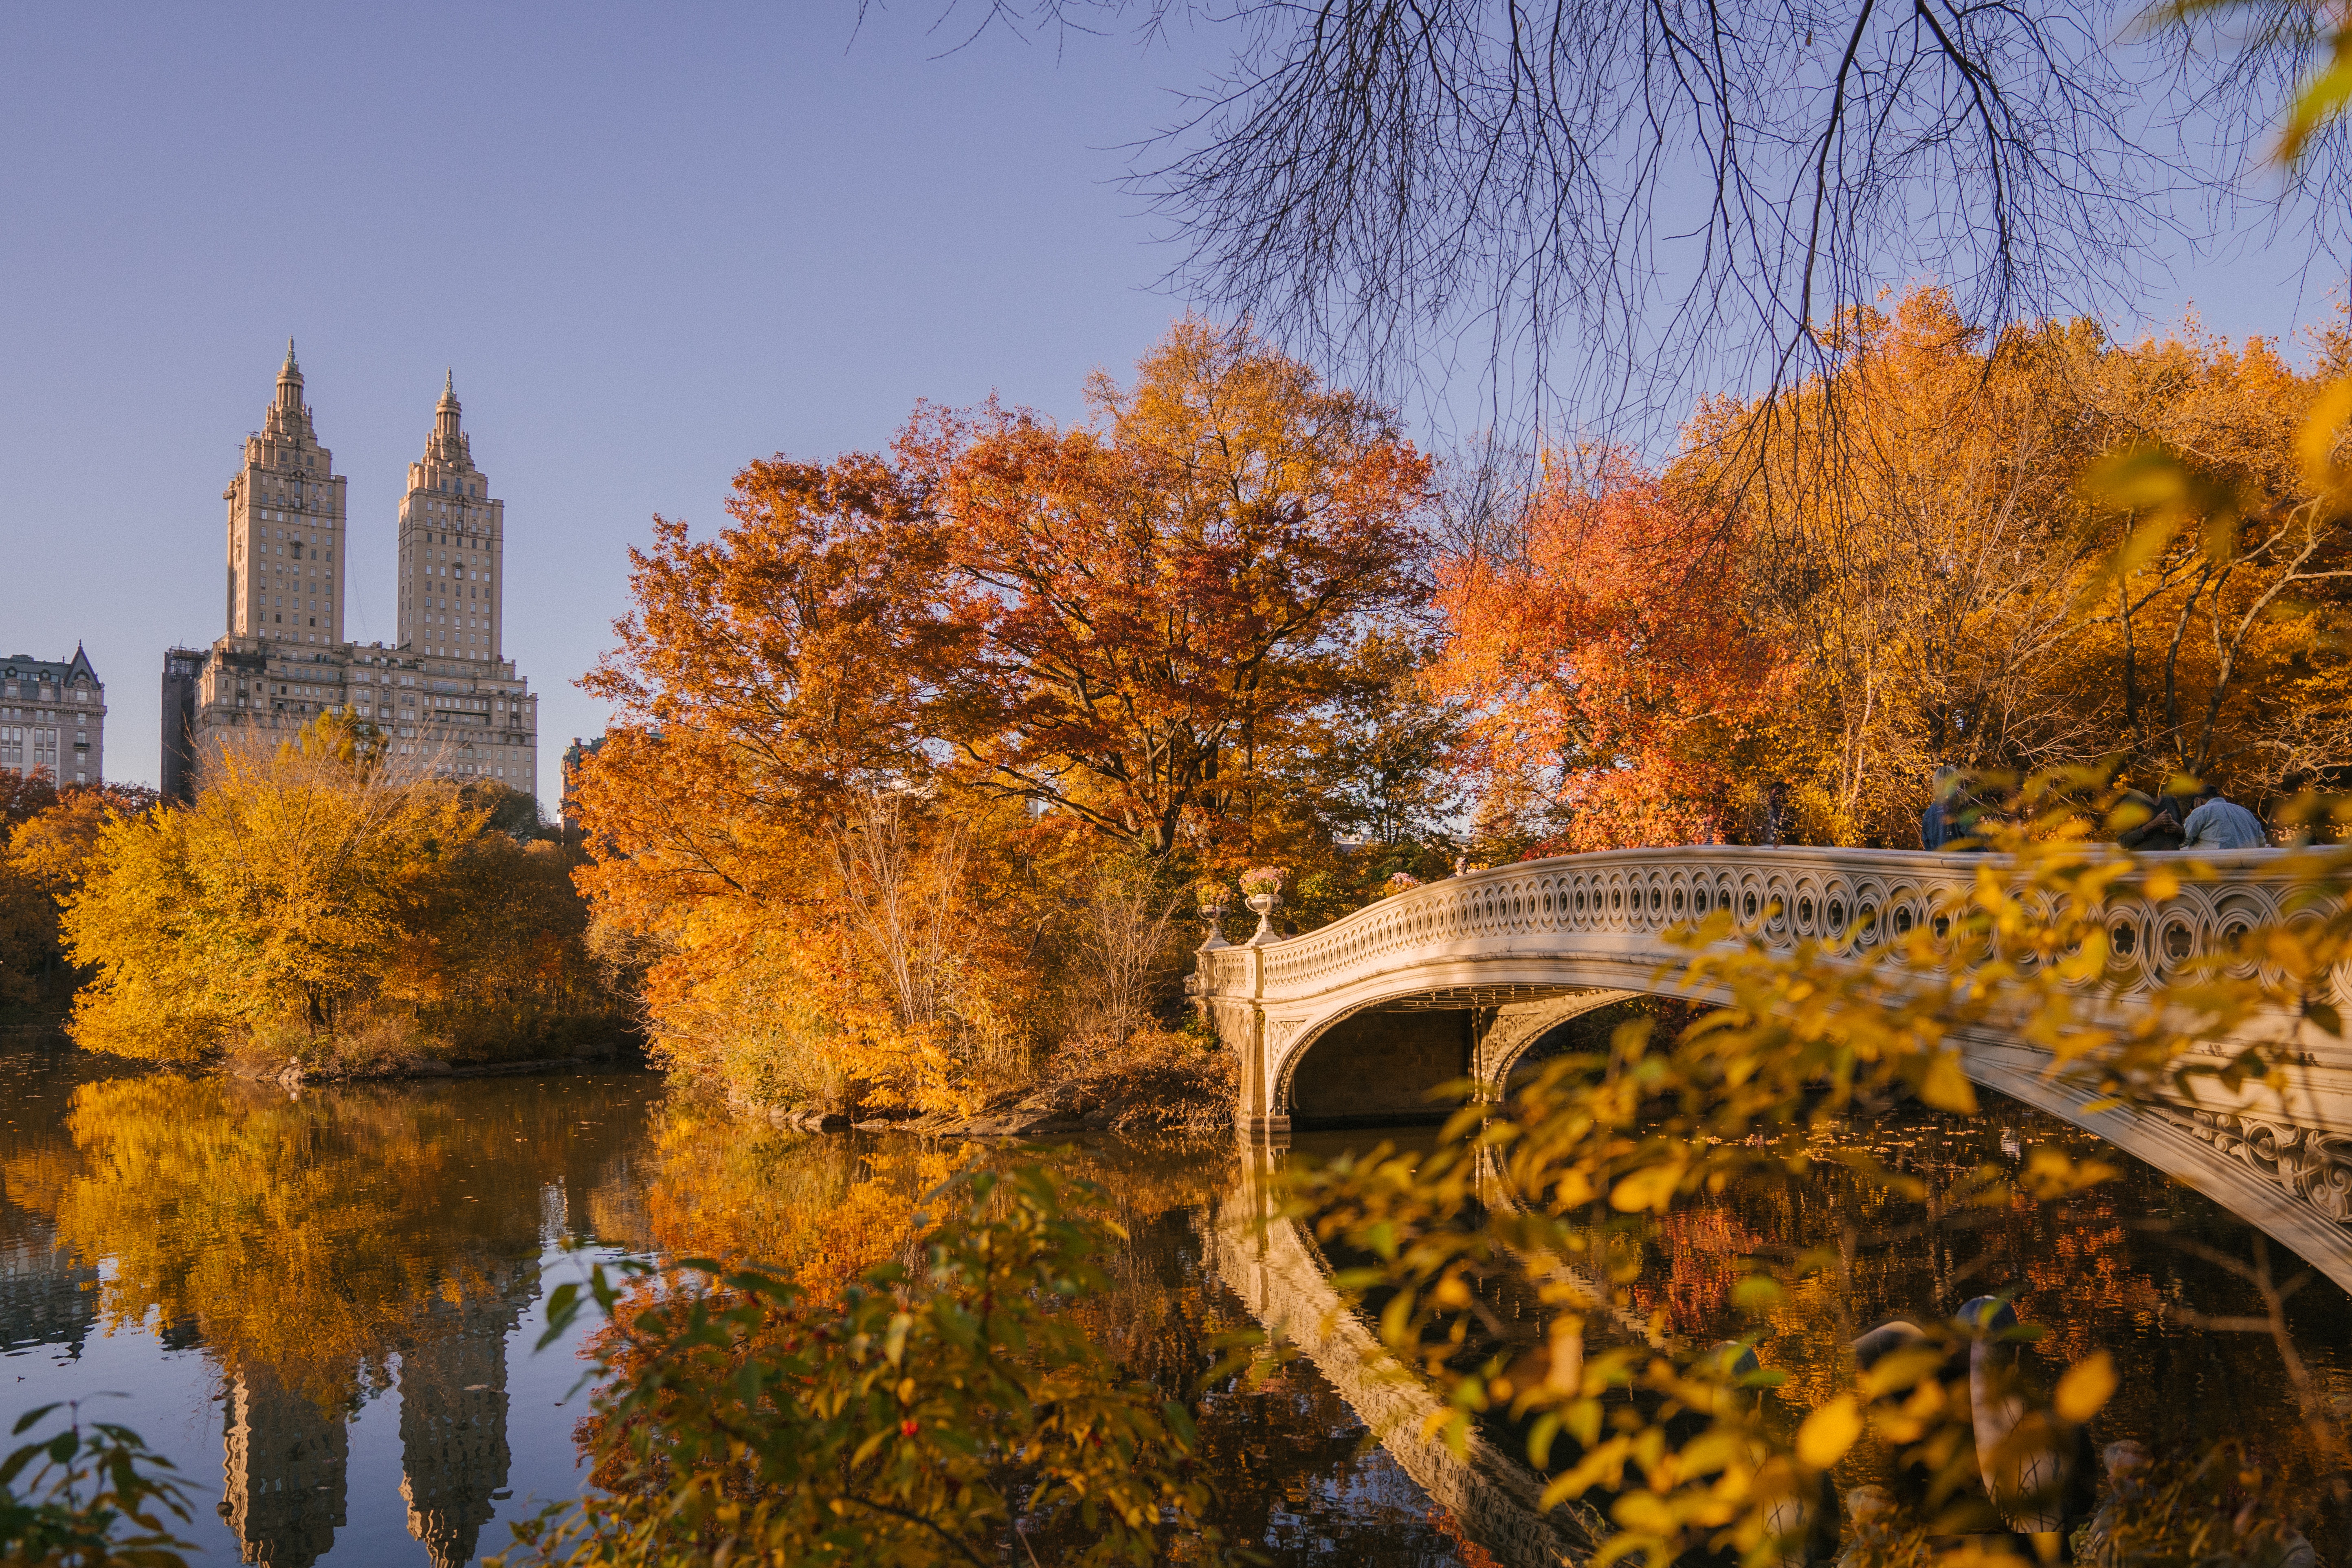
2005 551
880 735
1606 673
1168 591
47 835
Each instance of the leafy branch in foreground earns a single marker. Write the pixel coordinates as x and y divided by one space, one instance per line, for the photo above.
1550 1198
932 1414
89 1496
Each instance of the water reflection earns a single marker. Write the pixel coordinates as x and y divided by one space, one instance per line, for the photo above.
330 1296
315 1250
2132 1266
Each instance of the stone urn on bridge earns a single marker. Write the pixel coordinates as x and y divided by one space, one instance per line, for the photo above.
1214 898
1262 887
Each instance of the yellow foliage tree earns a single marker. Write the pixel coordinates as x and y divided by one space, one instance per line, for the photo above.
314 893
2003 553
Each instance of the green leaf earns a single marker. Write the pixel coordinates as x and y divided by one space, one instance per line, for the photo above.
33 1417
1179 1421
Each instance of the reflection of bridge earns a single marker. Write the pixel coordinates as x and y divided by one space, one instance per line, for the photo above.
1281 1280
1355 1023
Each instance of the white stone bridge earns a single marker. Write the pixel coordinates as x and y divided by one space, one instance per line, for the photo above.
1356 1023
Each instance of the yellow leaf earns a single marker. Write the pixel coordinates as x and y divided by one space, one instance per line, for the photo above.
2161 885
2315 442
1828 1433
2321 99
1945 1086
1652 1188
2085 1388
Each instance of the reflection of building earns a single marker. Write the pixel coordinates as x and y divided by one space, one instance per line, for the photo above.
453 1435
47 1297
453 1416
287 1456
284 1471
444 695
53 719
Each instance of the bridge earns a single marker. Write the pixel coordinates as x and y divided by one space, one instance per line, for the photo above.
1354 1025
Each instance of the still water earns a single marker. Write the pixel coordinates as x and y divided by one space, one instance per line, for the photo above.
322 1304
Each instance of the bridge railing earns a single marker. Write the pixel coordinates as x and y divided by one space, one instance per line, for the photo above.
1791 895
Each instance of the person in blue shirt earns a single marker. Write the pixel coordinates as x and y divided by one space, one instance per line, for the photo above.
1940 823
2221 823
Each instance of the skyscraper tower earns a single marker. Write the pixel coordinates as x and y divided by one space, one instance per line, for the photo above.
286 549
452 546
443 697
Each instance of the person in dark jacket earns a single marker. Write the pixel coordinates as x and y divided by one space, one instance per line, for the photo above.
1940 823
2166 824
1951 817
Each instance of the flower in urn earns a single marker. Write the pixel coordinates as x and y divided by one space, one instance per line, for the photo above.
1214 898
1263 885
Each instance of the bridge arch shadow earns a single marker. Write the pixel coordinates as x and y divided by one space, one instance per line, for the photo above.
1389 1065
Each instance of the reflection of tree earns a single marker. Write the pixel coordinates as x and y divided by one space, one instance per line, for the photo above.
825 1209
1293 1465
264 1219
2098 1269
47 1295
306 1241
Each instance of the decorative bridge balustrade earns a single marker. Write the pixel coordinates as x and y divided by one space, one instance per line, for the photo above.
1358 1020
1799 894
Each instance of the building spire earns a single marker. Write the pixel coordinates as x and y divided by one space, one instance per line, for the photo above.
445 412
289 382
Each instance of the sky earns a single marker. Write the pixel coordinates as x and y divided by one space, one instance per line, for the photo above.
651 244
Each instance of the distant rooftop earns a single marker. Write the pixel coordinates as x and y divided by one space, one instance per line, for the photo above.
25 666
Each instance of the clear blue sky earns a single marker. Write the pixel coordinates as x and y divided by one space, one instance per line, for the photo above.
653 242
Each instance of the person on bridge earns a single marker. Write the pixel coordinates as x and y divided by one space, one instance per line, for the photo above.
1934 828
2162 829
1949 815
2218 823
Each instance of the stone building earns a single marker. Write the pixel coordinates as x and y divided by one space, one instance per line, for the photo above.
182 667
445 695
53 719
576 756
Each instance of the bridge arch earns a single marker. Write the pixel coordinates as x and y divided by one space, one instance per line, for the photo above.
1332 1025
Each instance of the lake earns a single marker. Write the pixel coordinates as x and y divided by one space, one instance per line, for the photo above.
323 1303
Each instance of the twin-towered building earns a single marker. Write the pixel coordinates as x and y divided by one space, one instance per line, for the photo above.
444 693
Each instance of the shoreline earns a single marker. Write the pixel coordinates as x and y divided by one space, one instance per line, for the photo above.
296 1076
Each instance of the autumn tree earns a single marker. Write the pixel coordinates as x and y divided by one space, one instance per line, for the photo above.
1166 592
890 742
1979 579
758 813
45 838
1925 581
315 893
1605 679
768 678
2224 603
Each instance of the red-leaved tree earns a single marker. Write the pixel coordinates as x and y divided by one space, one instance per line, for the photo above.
1608 672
